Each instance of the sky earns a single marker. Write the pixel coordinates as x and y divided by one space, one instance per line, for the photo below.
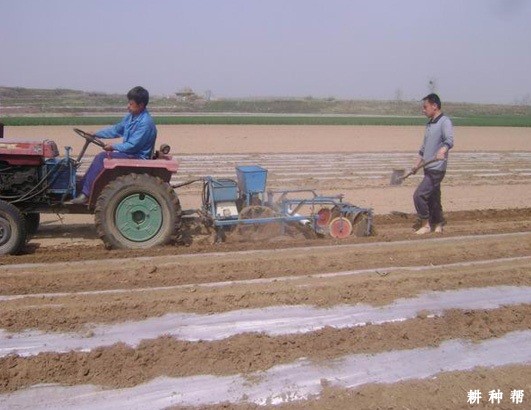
476 51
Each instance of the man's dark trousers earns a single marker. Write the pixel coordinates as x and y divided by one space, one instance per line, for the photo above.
427 197
96 167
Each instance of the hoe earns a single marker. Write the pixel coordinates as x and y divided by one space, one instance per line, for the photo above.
398 175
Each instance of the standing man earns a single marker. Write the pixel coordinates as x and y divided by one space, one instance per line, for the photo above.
138 131
438 140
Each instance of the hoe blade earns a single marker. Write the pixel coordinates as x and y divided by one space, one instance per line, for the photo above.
398 176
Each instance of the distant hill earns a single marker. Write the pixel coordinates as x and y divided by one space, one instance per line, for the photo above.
16 101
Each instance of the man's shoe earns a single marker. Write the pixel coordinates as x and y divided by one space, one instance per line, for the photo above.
438 228
417 224
80 200
424 230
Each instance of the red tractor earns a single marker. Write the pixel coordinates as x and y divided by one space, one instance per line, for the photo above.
132 200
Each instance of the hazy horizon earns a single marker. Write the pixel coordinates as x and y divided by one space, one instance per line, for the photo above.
477 51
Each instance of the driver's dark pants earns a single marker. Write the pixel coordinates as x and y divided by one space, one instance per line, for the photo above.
427 197
97 166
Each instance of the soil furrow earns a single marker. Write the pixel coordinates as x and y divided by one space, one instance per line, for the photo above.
123 366
74 313
446 391
382 271
140 273
81 242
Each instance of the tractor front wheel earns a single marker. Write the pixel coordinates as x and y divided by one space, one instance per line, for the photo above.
137 211
12 229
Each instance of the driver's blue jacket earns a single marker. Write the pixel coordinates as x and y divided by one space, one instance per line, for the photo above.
139 134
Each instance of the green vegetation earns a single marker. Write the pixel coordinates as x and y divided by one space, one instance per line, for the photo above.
494 121
21 106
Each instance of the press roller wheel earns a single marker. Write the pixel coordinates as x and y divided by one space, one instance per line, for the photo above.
340 228
324 216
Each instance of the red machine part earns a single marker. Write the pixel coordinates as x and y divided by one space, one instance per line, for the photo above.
323 217
30 153
166 164
340 228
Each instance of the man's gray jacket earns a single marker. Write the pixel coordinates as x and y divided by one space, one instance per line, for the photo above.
439 132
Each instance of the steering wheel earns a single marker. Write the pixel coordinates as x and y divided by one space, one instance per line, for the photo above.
89 137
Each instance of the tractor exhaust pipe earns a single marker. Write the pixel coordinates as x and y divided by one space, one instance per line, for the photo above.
1 130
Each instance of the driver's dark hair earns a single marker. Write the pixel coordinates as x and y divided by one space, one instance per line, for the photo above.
433 99
139 95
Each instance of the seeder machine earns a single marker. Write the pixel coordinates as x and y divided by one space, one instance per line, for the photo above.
245 201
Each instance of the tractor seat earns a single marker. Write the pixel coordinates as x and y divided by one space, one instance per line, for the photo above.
161 152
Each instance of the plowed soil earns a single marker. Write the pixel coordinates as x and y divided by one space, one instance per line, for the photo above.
67 286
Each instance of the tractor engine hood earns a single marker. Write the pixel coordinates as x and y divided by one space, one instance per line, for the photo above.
20 152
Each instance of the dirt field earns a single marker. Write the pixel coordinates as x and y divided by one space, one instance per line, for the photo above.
387 321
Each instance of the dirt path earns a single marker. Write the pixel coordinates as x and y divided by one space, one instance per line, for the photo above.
229 139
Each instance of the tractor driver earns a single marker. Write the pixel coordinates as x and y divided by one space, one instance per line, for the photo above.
139 134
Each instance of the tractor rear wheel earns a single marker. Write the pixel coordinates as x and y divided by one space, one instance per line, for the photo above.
137 211
12 229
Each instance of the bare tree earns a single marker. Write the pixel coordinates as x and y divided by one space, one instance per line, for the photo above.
398 94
